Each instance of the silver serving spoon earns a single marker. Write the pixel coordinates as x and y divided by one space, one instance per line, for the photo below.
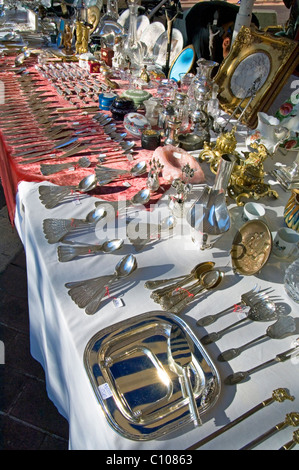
238 377
88 294
105 175
50 169
56 229
265 310
283 327
51 196
71 251
182 358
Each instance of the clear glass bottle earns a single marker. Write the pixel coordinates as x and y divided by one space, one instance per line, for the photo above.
133 49
209 217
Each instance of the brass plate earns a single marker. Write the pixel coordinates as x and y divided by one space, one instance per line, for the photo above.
251 247
130 367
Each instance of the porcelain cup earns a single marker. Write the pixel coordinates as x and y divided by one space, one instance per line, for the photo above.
252 211
286 243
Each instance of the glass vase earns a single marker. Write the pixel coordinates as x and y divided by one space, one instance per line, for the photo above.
291 280
209 216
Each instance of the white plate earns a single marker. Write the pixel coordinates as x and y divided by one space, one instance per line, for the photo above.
142 23
151 34
160 48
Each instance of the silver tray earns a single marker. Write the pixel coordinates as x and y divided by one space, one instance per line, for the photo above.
130 368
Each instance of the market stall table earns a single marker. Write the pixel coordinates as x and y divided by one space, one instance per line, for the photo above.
60 330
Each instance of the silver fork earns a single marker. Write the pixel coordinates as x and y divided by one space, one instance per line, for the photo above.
248 299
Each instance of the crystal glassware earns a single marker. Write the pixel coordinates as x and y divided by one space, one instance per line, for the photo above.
291 280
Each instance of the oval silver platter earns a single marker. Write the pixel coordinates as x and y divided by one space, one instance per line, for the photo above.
131 370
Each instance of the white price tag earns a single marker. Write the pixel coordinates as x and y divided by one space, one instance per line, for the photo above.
117 303
105 391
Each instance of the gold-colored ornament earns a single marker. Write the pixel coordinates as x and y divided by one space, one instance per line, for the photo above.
212 152
247 179
67 40
79 35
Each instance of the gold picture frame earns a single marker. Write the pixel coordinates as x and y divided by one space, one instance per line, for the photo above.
255 57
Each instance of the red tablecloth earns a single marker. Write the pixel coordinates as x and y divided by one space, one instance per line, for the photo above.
20 120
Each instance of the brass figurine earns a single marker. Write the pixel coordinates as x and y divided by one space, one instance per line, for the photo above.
212 152
247 179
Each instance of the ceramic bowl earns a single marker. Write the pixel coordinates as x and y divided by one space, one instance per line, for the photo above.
138 96
136 123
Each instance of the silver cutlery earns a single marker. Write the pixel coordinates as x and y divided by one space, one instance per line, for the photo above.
208 281
51 196
106 175
182 358
264 310
282 328
248 299
70 251
141 197
291 419
89 294
278 395
50 169
185 278
238 377
149 232
56 229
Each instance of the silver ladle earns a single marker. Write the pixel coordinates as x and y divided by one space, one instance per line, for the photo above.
283 327
71 251
265 310
88 294
56 229
51 196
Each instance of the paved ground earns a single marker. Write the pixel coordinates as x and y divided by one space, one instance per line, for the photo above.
28 419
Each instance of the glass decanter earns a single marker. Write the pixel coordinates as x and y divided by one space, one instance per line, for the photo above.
209 217
133 49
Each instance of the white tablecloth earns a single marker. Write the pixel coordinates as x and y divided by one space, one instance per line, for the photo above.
60 330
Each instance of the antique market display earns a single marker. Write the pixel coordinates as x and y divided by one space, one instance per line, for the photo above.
156 194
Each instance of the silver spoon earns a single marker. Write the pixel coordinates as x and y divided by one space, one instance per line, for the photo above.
50 169
56 229
283 327
69 252
51 196
141 197
88 294
265 310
